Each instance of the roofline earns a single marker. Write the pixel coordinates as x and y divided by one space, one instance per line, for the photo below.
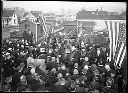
100 19
5 17
30 21
28 13
35 16
12 14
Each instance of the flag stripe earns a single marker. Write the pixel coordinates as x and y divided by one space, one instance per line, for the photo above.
117 50
117 30
119 54
116 34
108 25
113 36
118 42
122 58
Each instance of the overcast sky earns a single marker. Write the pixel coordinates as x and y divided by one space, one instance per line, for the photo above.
56 6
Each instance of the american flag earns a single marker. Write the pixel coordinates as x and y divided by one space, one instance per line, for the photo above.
117 35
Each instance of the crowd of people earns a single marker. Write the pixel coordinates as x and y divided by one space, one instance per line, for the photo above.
58 67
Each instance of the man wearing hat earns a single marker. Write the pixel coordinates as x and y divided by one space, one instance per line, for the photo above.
7 66
85 62
85 70
63 70
52 64
26 45
15 80
92 54
21 58
75 71
76 55
108 70
55 53
84 52
30 50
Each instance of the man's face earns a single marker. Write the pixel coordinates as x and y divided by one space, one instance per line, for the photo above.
83 50
63 67
8 57
50 50
76 65
77 81
17 45
98 52
86 59
112 75
96 78
59 75
56 50
22 53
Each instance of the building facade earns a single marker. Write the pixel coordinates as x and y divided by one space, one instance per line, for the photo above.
35 28
9 18
97 17
9 22
72 18
28 16
50 18
31 16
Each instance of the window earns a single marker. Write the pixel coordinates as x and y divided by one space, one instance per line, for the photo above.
3 23
41 28
25 25
28 25
7 22
14 21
